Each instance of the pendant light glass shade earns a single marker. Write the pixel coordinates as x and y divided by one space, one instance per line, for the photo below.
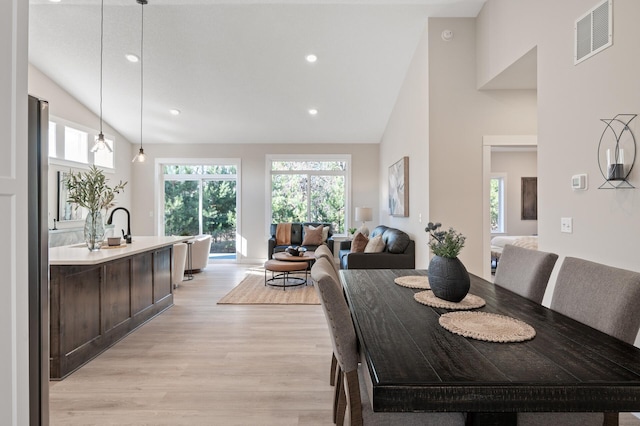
100 143
140 157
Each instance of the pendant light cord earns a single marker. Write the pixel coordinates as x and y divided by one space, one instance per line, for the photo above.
101 55
141 68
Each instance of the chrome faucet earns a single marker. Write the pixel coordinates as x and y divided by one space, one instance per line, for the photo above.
127 237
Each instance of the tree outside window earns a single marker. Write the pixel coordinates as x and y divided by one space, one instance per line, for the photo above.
309 191
497 204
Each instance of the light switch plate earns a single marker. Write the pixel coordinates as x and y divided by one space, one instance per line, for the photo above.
566 225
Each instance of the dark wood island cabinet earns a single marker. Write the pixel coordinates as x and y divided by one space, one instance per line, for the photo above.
97 298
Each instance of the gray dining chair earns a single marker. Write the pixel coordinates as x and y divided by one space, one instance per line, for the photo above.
349 391
602 297
524 271
323 251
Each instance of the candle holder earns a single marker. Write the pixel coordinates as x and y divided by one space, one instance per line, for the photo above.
616 140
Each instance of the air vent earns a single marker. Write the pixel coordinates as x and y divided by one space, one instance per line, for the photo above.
594 31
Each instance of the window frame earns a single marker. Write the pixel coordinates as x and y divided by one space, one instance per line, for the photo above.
271 158
502 203
92 134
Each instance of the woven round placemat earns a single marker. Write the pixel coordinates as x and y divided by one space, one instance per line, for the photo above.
487 326
470 301
413 281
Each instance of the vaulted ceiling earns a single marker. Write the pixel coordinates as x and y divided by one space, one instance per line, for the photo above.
236 70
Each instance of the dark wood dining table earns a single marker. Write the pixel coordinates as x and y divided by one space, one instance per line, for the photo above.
414 364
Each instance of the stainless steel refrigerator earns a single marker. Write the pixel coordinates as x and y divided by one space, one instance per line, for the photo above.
38 238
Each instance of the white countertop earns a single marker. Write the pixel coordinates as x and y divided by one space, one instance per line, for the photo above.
79 254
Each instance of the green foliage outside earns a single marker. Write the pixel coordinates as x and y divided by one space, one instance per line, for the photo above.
182 205
494 205
307 197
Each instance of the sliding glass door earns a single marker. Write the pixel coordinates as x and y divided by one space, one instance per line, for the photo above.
202 199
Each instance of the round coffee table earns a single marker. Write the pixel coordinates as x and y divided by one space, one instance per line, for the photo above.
283 264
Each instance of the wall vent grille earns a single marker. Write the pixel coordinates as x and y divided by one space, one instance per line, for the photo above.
594 31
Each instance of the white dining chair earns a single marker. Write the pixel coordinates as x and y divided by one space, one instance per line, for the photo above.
602 297
351 397
524 271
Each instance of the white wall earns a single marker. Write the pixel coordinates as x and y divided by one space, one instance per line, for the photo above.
407 134
459 116
572 100
254 227
516 165
14 311
63 105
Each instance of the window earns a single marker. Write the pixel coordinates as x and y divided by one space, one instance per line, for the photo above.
497 204
75 145
202 199
52 139
310 190
70 142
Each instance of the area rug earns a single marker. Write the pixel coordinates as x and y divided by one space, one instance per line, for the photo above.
252 291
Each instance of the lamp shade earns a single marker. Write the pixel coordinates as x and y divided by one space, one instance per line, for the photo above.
364 214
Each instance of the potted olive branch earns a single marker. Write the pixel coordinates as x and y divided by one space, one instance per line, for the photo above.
90 190
448 278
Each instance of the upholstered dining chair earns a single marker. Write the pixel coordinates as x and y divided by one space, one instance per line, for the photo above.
602 297
524 271
349 393
179 261
323 251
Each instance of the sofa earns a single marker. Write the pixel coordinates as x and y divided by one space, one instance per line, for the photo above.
297 236
399 252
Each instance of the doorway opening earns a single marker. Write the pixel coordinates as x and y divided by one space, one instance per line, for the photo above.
506 159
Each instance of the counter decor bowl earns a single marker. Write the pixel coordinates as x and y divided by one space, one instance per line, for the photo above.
296 251
114 241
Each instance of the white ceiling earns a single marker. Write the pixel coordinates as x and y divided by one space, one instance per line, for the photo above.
237 69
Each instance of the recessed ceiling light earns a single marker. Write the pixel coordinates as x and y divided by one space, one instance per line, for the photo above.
54 1
174 111
131 57
313 111
311 58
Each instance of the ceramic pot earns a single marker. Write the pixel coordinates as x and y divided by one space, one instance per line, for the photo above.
94 230
448 278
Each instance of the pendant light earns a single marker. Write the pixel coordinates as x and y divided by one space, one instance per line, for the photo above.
140 156
100 143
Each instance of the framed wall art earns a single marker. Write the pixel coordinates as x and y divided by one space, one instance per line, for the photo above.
529 198
399 188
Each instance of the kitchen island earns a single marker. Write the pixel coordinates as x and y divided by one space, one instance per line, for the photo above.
97 298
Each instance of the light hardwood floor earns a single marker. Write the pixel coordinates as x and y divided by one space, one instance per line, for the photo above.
205 364
200 363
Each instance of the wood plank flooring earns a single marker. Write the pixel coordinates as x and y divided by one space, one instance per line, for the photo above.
205 364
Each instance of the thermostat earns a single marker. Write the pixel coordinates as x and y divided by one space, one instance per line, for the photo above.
579 182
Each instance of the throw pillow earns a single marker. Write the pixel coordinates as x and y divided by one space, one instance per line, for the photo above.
312 237
359 243
325 231
375 245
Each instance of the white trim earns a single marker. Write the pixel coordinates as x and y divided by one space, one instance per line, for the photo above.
510 140
92 133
